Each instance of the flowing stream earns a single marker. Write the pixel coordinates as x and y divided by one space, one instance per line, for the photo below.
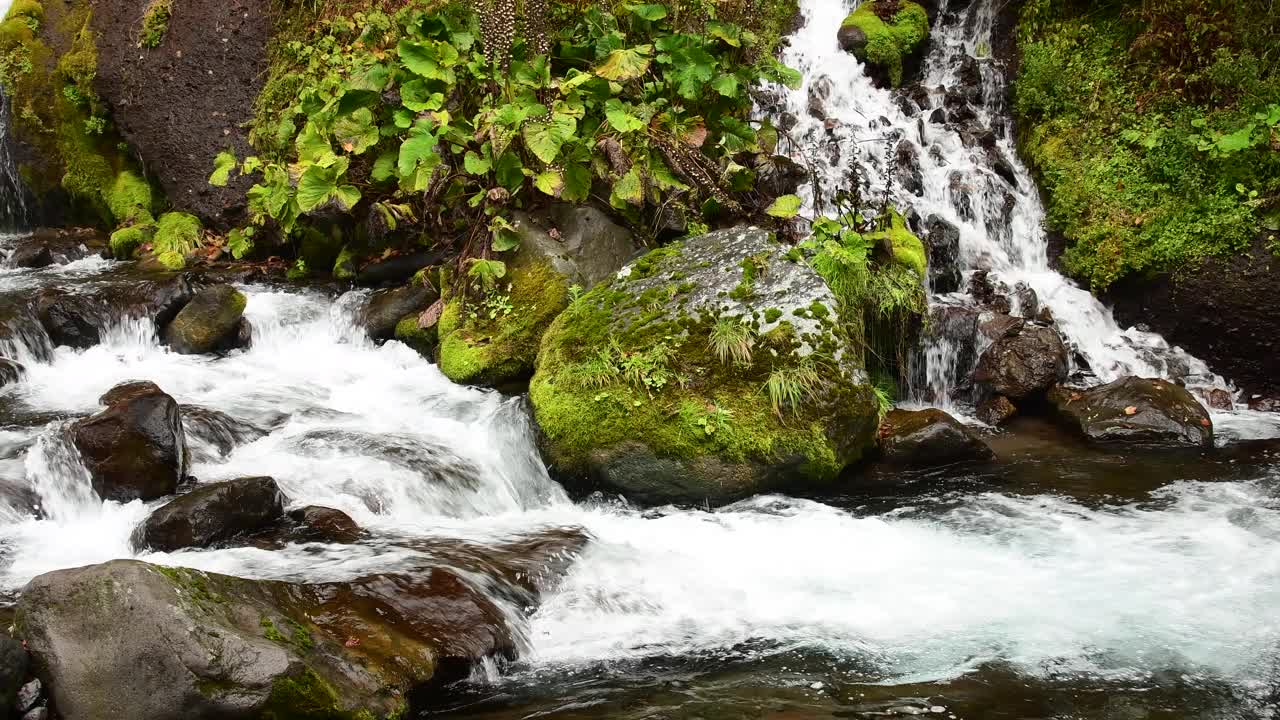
1062 583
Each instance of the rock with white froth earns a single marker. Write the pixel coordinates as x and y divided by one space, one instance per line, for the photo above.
212 321
1023 363
1136 411
135 449
212 513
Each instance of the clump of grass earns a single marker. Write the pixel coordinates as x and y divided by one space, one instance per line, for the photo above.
791 386
732 341
155 22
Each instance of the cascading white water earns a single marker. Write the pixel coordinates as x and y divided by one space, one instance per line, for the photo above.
849 130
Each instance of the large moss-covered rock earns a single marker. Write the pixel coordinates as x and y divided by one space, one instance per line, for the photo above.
1138 411
211 321
883 33
706 370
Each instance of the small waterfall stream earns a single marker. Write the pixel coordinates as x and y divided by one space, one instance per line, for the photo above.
949 146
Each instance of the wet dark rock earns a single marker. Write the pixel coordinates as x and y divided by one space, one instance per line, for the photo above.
397 268
959 109
1264 404
210 322
1221 310
212 513
819 92
40 713
969 77
54 247
1003 168
1220 399
780 175
29 694
1023 363
212 434
11 371
989 293
135 449
1028 301
918 439
943 241
70 319
995 326
13 670
1136 411
907 165
852 40
126 639
581 242
996 410
387 307
323 524
960 192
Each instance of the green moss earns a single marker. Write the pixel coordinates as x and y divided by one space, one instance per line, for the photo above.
344 266
908 250
889 42
129 199
424 340
178 233
270 632
771 315
1114 105
126 241
307 696
654 380
155 22
477 348
31 9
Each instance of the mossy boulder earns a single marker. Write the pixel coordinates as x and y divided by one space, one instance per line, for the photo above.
215 646
382 315
210 322
707 370
490 336
884 33
423 337
903 246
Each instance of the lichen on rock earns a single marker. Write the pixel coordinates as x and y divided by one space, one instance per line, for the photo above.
706 370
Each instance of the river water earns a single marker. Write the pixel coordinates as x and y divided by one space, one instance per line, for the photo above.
1061 583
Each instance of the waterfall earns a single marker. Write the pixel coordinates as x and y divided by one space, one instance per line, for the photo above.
15 214
948 146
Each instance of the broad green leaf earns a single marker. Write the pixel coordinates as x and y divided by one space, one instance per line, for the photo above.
628 190
348 196
431 60
577 182
384 168
626 64
356 132
663 177
544 140
315 187
620 119
650 12
355 99
726 85
251 165
239 243
403 118
1241 139
223 164
574 80
476 165
313 145
416 96
785 206
550 182
536 73
731 34
418 149
509 171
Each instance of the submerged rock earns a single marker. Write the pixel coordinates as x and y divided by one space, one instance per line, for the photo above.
210 322
212 513
135 449
1023 362
324 524
131 640
1134 410
706 370
918 439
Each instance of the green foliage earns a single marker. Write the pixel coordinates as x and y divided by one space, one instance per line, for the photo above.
240 242
126 241
155 21
731 340
1153 129
888 42
223 165
177 235
791 387
129 199
410 108
787 206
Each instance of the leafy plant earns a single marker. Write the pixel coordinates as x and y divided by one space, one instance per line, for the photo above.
789 387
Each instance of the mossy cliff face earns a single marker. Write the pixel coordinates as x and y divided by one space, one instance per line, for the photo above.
706 370
884 33
219 646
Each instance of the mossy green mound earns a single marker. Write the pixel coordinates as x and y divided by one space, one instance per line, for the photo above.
410 332
886 44
707 370
907 249
177 235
